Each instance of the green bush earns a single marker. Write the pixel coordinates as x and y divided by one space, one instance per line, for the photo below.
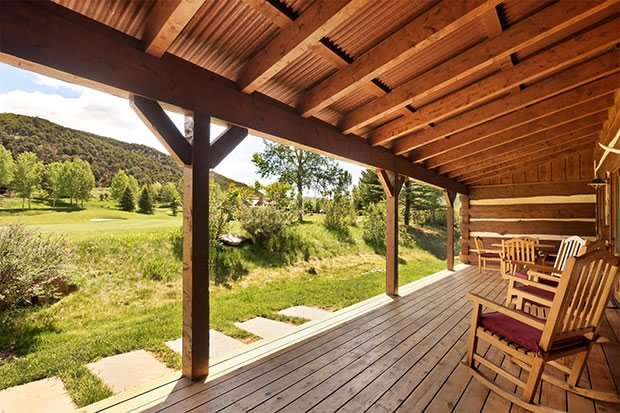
31 265
226 264
265 223
374 226
338 214
160 269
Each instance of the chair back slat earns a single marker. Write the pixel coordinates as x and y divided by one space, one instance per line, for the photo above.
479 244
582 295
569 247
517 249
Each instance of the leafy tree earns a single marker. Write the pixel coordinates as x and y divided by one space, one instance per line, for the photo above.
7 167
174 207
145 203
374 226
118 185
368 190
155 189
132 182
407 200
304 170
277 194
169 193
427 198
27 177
77 180
128 202
53 181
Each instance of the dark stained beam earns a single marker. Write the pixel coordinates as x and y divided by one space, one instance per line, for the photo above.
45 37
164 130
434 24
295 39
165 22
497 48
225 144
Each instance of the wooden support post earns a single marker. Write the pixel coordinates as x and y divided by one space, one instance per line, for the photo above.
392 183
464 241
196 253
450 197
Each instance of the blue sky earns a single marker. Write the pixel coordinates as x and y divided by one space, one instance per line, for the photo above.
78 107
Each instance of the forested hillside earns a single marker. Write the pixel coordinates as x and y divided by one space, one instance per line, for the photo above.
52 142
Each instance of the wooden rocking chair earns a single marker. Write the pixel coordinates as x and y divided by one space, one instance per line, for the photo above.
517 255
532 343
485 255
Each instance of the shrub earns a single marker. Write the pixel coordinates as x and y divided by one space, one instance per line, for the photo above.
226 264
31 265
338 214
374 226
160 269
264 223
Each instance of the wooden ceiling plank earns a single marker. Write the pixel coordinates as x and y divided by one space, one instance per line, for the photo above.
549 21
500 153
270 12
556 145
431 26
587 144
49 39
561 56
583 73
520 117
590 112
165 22
307 30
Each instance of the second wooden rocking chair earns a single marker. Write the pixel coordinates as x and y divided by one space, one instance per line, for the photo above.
571 329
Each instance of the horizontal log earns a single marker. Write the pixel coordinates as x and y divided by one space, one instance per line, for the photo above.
55 41
563 211
527 190
535 227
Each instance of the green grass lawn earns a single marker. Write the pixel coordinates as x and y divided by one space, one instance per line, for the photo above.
119 306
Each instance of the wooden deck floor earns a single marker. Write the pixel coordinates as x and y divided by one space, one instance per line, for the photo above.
402 356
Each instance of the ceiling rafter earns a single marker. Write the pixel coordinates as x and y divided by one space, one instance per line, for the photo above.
432 25
577 48
295 39
519 117
498 48
165 22
574 77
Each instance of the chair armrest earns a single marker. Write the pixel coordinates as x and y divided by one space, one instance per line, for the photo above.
532 283
543 276
541 268
514 314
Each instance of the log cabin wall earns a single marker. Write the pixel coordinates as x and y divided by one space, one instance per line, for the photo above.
547 200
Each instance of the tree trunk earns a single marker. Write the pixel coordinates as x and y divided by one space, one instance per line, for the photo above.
23 202
407 211
29 203
300 202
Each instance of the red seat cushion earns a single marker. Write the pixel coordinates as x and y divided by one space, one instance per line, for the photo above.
538 292
489 255
512 330
521 275
524 335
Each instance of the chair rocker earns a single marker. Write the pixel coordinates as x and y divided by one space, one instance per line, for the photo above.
571 329
485 255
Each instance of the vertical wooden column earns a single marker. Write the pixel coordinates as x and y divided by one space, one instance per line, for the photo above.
196 252
450 196
465 239
392 183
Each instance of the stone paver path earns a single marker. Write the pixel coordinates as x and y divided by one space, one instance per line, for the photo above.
47 395
220 344
125 371
266 328
311 313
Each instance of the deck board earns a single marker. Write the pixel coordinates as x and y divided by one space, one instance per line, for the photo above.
404 355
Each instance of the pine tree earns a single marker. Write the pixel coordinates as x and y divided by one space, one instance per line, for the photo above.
145 203
127 202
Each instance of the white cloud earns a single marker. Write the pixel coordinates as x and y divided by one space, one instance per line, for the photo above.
56 83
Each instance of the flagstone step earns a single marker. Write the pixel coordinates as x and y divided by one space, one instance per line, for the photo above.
128 370
47 395
219 344
311 313
266 328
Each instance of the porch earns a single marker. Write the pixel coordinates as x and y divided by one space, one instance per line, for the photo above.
383 354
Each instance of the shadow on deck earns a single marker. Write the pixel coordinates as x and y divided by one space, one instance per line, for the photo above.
379 355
